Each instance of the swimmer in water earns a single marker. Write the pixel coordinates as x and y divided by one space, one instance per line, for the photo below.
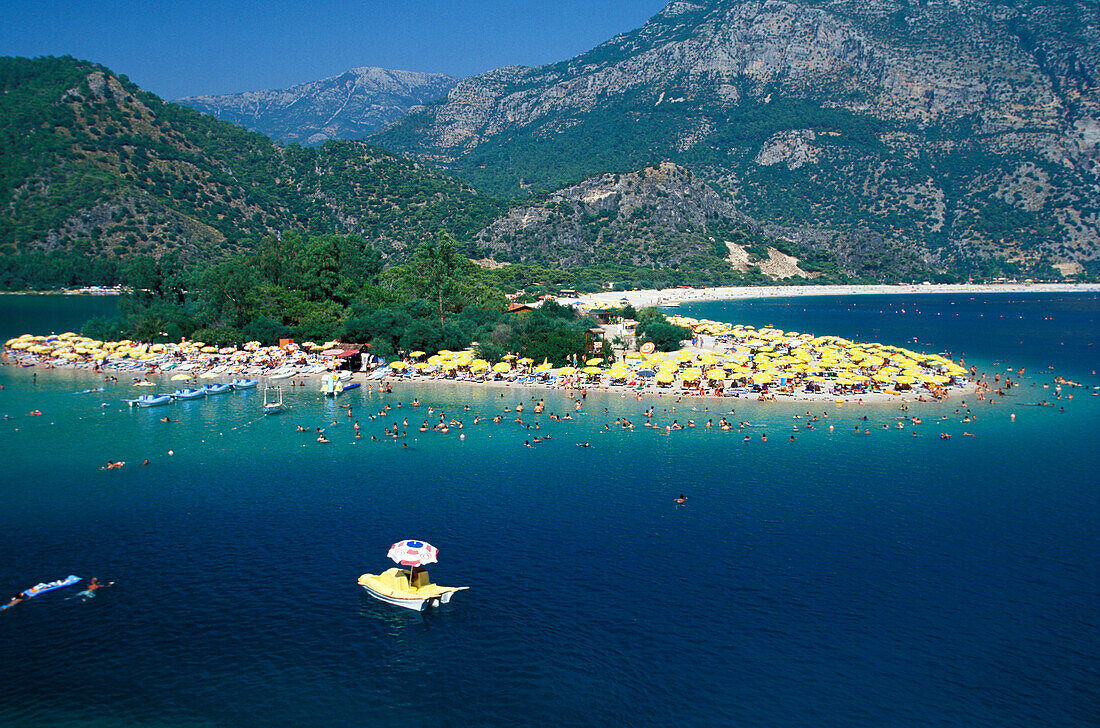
93 586
16 599
681 500
165 419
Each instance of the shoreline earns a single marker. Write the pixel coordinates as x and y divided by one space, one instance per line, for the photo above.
313 379
666 296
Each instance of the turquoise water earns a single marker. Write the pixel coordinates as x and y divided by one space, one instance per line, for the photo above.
50 314
840 579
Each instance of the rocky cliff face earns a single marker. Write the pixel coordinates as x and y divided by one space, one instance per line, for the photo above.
348 106
965 129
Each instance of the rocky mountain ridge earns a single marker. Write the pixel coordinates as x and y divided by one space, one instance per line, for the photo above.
348 106
966 130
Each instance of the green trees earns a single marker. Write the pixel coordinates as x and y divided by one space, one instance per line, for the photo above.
436 264
653 326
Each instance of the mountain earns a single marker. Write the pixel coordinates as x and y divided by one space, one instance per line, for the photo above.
967 131
667 217
348 106
92 164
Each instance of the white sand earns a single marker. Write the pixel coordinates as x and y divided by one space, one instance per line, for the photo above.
728 293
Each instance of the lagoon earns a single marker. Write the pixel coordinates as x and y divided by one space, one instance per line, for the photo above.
843 578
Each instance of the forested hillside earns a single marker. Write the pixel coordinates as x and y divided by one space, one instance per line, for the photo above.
92 166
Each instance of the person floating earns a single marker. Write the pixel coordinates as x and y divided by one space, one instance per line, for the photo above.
94 585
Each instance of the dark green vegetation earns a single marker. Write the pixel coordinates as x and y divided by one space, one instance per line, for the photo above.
94 166
335 287
653 327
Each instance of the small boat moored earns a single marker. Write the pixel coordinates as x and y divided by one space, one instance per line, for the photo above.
274 408
189 393
331 385
244 383
150 400
217 388
410 588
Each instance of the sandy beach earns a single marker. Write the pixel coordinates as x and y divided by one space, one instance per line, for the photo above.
666 296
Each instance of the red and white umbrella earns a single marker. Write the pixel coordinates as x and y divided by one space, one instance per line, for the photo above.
413 553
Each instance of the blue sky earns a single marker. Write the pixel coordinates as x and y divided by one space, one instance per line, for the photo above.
186 48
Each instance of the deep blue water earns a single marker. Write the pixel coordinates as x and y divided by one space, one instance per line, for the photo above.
843 579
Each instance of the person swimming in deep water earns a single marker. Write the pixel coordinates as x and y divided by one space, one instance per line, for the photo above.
93 586
16 599
680 500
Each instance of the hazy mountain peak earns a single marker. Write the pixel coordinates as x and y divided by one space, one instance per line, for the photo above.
347 106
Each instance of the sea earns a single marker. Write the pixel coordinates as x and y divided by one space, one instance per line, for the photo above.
856 569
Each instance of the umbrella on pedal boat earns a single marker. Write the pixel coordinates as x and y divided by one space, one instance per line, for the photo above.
413 553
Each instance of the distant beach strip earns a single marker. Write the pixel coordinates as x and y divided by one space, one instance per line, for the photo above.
643 298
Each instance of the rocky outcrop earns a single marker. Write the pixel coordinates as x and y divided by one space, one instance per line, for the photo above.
659 216
348 106
907 120
793 148
667 216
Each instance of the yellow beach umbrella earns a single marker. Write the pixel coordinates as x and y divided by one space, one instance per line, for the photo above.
716 374
566 371
592 370
503 367
594 361
416 354
398 365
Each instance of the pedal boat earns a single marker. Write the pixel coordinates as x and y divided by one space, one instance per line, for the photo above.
392 586
149 400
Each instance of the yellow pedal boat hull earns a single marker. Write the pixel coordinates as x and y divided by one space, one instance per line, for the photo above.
392 586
